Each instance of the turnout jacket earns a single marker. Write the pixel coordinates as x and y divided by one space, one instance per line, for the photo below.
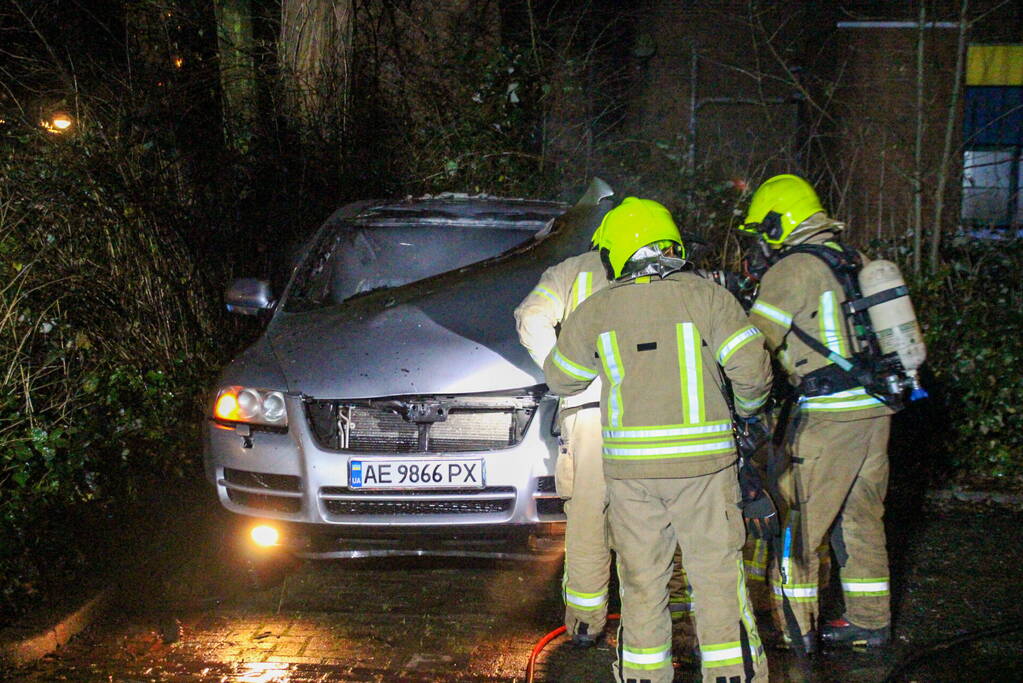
657 345
559 292
801 289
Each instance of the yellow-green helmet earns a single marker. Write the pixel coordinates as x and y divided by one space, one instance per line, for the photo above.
630 226
778 206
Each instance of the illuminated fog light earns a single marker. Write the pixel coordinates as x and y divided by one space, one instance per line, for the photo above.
265 536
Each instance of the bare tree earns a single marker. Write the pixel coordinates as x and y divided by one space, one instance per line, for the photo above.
951 119
238 83
314 54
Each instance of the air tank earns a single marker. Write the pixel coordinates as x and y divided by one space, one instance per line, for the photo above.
894 321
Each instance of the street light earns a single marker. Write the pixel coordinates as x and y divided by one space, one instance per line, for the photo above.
59 122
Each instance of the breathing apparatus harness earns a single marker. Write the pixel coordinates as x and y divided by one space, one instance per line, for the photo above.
882 375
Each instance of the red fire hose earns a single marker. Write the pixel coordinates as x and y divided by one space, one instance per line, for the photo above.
542 643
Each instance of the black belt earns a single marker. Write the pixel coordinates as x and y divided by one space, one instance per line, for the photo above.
826 380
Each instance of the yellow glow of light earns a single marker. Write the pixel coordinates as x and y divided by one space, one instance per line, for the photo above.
58 123
227 407
178 62
263 672
265 536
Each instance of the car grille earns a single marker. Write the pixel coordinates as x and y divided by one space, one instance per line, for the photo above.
433 424
262 491
342 502
548 502
550 506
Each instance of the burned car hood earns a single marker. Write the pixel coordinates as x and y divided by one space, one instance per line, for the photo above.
452 333
395 351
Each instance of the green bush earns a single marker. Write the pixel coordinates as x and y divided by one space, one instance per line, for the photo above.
972 317
106 338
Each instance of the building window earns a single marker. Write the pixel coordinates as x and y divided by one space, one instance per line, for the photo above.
991 187
993 137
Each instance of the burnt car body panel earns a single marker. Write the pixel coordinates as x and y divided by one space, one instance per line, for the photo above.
430 369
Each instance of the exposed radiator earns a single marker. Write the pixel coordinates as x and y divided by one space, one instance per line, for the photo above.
424 424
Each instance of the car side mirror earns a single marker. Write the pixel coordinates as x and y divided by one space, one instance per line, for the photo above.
249 296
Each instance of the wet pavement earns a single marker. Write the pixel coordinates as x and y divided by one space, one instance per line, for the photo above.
199 618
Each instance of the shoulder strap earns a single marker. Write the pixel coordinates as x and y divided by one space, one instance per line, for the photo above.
845 264
843 261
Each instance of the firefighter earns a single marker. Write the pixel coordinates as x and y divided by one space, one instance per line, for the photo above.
579 476
838 435
656 338
579 473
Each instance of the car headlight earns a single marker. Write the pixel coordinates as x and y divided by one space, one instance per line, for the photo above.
251 406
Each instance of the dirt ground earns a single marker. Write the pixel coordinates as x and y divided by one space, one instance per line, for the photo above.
193 615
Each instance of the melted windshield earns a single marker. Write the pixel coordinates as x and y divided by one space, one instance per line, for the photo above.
350 259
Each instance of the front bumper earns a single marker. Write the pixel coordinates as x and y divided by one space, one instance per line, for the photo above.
288 478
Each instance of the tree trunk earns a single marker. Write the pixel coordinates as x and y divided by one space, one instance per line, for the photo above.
314 52
945 168
235 43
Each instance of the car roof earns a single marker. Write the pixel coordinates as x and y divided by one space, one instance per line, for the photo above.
460 210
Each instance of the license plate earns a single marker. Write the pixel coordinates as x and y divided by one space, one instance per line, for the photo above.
416 474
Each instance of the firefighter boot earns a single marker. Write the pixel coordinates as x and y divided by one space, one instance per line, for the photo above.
843 633
581 639
809 642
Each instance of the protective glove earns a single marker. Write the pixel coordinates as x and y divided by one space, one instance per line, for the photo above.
758 509
750 434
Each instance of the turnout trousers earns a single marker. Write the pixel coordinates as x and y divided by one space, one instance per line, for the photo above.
839 477
680 602
580 480
649 518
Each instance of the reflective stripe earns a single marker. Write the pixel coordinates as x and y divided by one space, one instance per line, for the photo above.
755 572
646 658
585 601
581 288
691 368
804 592
830 317
746 613
571 369
736 342
679 608
678 450
756 566
771 313
813 406
613 368
548 294
853 399
751 405
659 432
866 586
725 654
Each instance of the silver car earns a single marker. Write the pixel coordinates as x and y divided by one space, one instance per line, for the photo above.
388 407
